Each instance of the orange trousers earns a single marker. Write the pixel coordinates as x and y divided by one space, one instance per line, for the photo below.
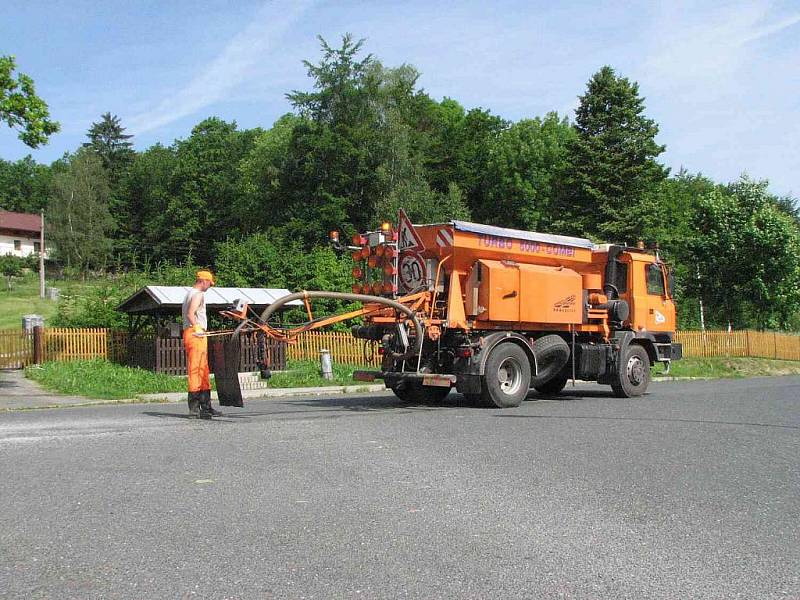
196 361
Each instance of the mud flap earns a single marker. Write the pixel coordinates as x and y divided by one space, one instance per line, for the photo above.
223 358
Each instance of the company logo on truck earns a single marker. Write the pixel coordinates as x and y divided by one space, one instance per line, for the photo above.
565 304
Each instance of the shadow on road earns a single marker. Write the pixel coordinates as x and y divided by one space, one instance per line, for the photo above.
648 419
327 408
340 406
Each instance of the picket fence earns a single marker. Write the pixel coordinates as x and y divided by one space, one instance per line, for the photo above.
65 344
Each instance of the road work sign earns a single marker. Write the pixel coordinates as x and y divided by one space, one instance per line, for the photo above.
407 238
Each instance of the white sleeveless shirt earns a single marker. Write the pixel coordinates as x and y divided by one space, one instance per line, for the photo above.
200 314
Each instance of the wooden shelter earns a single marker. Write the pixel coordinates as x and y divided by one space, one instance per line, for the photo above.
154 313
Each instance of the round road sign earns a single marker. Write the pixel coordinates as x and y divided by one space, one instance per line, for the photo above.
412 271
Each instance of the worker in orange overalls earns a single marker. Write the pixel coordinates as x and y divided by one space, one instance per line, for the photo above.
195 323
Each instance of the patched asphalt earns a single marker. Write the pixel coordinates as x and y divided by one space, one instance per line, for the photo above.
692 491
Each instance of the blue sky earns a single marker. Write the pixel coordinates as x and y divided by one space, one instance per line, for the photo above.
721 78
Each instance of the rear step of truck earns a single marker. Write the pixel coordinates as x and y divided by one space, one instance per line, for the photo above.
434 379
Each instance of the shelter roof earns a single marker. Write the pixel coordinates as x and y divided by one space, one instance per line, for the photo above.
164 300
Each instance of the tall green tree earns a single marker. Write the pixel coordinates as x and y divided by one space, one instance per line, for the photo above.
107 138
261 175
478 134
24 185
21 108
747 252
78 216
360 148
205 190
334 150
613 161
525 168
147 189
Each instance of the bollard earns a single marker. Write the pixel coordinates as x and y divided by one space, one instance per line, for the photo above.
325 364
38 345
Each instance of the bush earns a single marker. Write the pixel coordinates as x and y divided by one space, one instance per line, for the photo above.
12 266
266 260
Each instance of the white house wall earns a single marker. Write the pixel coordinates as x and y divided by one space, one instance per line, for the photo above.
7 245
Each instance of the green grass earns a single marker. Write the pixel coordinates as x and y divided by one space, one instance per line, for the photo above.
102 379
22 299
730 367
305 373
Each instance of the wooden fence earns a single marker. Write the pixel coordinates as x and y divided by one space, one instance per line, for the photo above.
64 344
344 348
167 356
760 344
16 348
163 355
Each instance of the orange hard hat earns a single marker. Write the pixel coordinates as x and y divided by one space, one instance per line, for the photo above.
207 275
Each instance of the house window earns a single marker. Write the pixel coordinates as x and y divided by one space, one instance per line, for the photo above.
17 245
37 247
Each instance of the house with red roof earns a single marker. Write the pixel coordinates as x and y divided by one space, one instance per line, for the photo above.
19 233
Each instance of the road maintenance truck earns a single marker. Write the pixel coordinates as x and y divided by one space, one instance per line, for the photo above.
496 312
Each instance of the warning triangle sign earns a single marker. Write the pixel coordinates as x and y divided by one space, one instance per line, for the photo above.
407 238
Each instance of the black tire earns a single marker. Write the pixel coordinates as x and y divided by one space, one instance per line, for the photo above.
633 375
552 353
416 393
507 376
554 386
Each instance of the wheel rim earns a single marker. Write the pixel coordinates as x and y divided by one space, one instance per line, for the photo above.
509 374
635 370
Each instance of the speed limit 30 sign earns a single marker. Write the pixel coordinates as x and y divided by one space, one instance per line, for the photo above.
411 271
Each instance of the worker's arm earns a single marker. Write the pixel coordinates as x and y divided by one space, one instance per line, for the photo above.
191 315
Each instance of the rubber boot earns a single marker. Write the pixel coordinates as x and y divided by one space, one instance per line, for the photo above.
205 405
194 404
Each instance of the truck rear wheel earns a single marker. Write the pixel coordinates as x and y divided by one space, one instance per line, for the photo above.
553 386
633 375
507 376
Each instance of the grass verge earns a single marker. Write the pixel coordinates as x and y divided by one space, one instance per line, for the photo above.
730 367
102 379
22 299
305 373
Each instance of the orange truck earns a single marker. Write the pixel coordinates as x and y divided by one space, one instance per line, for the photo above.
496 312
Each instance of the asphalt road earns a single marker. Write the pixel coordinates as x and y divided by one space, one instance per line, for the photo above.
692 491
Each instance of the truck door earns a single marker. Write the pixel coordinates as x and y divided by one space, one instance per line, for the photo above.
660 315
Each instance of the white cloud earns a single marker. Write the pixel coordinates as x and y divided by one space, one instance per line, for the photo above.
694 46
718 80
237 62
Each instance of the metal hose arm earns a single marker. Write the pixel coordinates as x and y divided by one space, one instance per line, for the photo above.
272 308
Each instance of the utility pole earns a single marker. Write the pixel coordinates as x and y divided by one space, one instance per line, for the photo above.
702 316
41 258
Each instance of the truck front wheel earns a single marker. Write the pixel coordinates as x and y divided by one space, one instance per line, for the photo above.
633 374
507 376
